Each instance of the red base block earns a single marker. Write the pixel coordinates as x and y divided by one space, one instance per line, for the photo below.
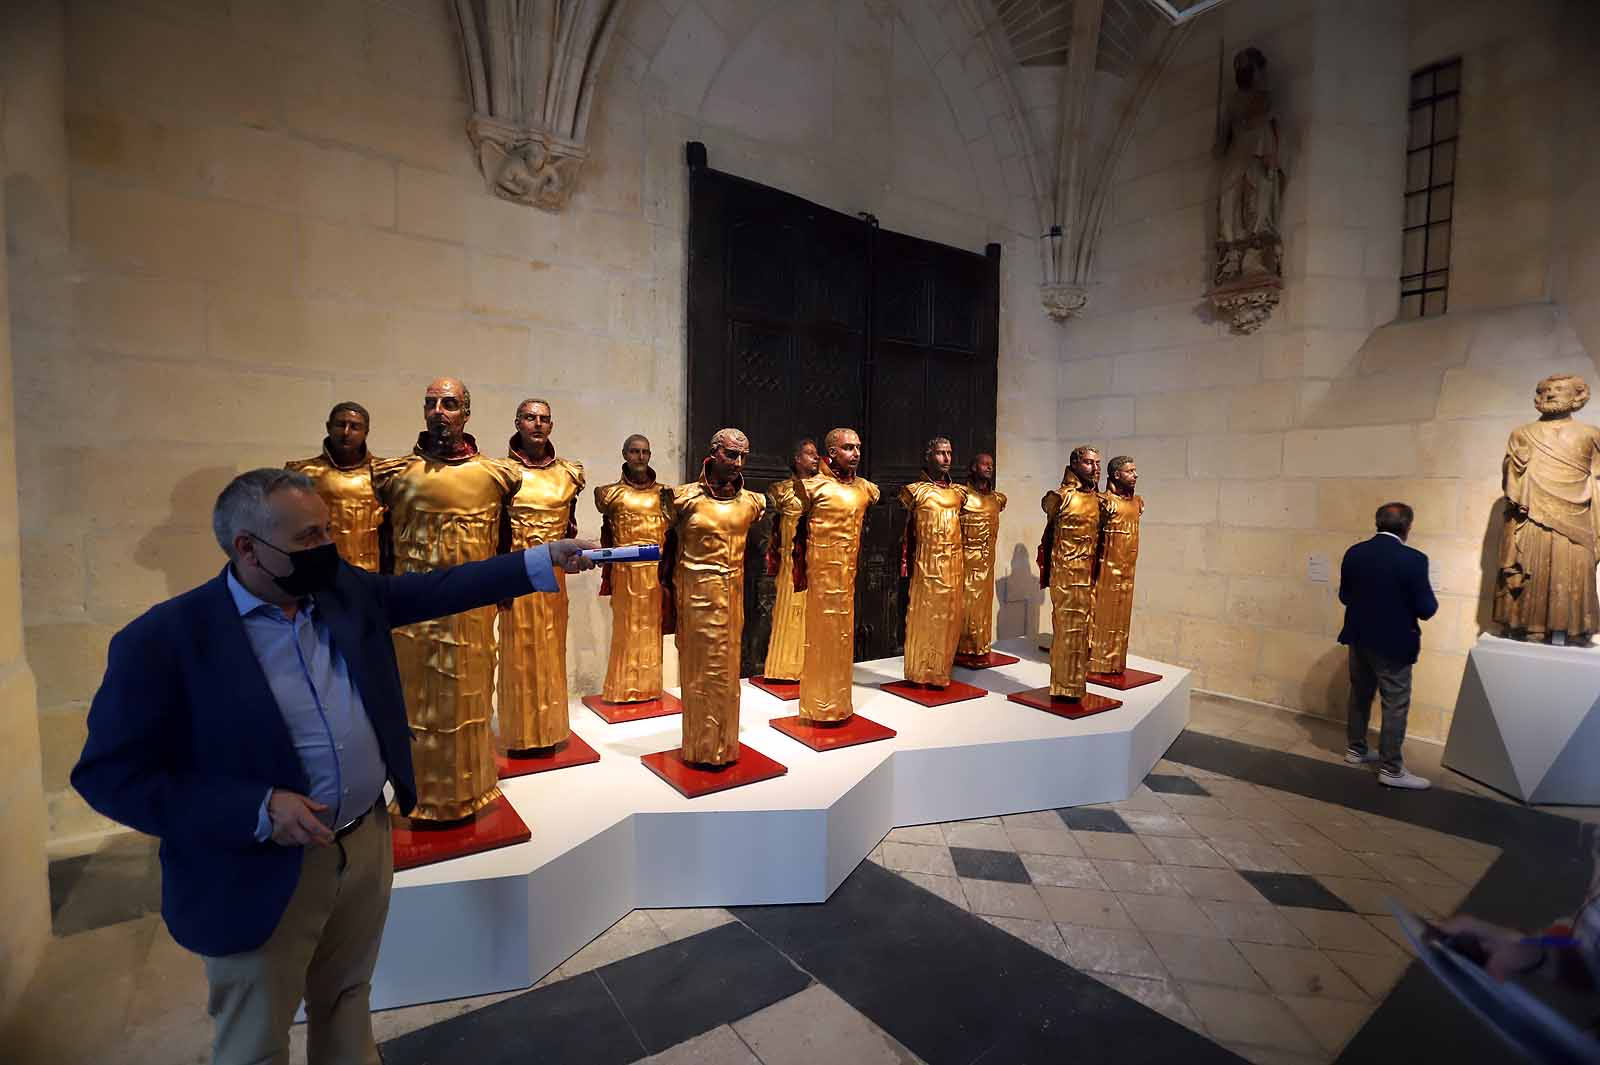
1041 699
827 737
1128 678
616 713
425 842
693 781
985 661
573 752
927 695
786 690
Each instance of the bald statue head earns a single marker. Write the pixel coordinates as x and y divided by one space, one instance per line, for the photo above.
446 406
725 457
844 451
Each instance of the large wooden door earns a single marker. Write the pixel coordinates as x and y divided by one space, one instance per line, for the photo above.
802 319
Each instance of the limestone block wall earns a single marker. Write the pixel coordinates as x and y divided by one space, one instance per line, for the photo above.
32 217
274 207
1258 452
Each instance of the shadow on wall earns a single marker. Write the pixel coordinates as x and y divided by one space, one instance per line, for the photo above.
1494 529
182 548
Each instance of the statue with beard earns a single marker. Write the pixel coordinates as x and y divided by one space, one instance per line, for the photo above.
1546 580
631 515
932 558
343 477
448 504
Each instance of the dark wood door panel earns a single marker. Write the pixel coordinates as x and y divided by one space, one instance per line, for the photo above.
803 319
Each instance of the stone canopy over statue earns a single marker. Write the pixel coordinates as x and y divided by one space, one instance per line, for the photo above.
1247 274
1545 588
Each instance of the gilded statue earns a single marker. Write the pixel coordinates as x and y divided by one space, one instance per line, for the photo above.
1119 551
786 648
1247 272
710 522
980 529
931 556
342 475
1546 583
1067 557
447 505
632 514
533 629
827 546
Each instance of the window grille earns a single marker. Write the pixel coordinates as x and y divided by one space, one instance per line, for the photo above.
1435 119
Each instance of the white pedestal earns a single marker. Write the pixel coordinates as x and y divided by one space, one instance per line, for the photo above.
1526 721
610 837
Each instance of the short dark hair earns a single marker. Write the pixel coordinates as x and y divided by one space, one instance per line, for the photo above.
1081 450
354 408
1394 518
635 436
800 445
1116 464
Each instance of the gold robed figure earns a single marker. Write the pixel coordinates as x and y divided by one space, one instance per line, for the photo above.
1113 590
354 512
1546 581
533 630
710 527
980 530
445 511
786 647
1067 567
832 512
632 515
934 564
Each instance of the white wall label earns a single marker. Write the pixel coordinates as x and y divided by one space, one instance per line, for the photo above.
1318 568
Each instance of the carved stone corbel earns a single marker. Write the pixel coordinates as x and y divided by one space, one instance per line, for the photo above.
1063 301
533 68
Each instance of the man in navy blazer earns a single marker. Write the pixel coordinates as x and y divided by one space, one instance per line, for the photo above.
1384 587
251 723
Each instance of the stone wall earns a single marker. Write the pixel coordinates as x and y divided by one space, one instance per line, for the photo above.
32 217
1259 452
275 207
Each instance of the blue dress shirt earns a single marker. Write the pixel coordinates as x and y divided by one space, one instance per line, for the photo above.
320 703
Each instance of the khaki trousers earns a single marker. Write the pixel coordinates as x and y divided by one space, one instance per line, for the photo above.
323 951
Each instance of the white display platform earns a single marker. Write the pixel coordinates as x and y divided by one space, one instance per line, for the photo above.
612 837
1526 721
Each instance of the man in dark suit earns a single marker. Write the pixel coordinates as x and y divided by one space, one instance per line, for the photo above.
252 723
1384 587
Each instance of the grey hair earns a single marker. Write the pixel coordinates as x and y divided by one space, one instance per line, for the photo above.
244 506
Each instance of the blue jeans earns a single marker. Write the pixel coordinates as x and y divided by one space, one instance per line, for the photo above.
1372 673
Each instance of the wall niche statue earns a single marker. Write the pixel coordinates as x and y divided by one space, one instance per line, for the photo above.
1546 583
1247 272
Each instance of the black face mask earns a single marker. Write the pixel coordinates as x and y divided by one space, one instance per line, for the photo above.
314 568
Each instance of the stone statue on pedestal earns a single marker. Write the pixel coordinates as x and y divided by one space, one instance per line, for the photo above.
710 522
1067 557
1119 551
1546 583
932 559
448 505
827 547
343 476
980 528
533 629
631 514
786 647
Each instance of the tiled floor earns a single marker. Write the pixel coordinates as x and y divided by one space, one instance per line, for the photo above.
1240 906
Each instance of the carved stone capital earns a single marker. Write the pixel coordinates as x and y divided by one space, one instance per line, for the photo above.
1246 304
533 70
1063 301
525 165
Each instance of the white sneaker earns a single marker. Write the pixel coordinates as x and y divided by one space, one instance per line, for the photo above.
1403 779
1352 758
